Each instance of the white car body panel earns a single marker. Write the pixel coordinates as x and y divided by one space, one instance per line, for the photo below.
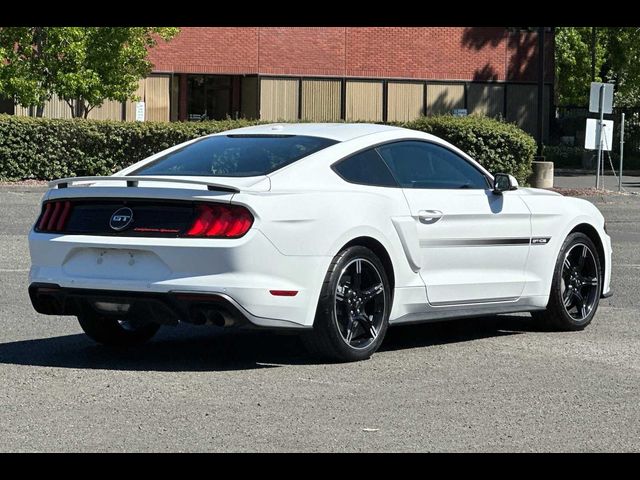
305 214
457 264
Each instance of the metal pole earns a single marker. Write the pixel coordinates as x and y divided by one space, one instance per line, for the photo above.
540 129
599 135
593 54
621 152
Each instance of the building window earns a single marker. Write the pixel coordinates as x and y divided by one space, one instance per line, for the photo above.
209 97
6 105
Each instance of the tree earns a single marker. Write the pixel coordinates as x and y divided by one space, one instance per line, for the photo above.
617 55
573 59
25 70
622 65
84 66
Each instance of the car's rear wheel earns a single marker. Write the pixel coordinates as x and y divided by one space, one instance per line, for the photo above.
576 287
353 311
115 332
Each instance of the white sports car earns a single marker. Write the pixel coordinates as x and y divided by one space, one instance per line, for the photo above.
335 230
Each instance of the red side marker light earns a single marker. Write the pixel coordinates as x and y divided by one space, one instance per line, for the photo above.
283 293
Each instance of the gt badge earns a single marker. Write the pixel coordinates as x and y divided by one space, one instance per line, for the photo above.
121 219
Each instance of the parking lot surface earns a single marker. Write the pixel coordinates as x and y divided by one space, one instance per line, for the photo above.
490 384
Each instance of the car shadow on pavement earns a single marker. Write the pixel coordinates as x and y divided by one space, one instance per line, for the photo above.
455 331
212 349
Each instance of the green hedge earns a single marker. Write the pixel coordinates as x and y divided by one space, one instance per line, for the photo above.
564 155
496 145
51 148
54 148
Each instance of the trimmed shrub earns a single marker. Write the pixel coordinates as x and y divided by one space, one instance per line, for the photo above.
54 148
564 155
496 145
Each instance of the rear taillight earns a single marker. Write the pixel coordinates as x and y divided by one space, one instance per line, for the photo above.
221 221
54 216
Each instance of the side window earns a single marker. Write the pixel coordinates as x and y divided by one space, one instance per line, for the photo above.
427 165
365 168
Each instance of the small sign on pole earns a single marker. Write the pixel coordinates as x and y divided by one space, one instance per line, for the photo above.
139 111
460 112
594 97
593 134
600 101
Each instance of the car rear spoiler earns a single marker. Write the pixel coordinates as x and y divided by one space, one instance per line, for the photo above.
132 181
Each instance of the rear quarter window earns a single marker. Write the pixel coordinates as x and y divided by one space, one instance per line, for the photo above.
365 168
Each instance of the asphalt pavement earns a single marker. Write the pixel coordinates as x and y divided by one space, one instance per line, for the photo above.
586 179
490 384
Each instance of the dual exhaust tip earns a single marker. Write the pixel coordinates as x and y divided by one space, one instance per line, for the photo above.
208 315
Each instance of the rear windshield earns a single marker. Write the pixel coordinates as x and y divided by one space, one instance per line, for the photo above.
235 155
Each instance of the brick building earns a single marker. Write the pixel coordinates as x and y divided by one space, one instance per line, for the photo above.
334 73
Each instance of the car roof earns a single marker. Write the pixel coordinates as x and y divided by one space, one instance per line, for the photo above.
335 131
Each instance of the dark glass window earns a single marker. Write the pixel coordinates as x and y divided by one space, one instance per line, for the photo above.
426 165
366 168
209 97
6 105
235 155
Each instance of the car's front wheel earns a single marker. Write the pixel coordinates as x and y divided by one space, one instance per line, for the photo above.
116 332
353 310
576 287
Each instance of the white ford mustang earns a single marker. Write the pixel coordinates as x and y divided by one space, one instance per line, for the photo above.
337 230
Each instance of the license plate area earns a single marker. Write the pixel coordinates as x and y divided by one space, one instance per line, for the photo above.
114 264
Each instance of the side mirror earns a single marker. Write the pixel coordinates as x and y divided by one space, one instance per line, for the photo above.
503 182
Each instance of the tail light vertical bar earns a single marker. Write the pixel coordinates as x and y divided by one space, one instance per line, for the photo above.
54 216
63 216
45 217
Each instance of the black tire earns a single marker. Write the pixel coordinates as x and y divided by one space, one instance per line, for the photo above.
111 332
368 326
558 315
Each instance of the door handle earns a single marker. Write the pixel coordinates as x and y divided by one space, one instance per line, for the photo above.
429 216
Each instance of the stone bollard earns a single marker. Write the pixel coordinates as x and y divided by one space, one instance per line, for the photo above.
542 175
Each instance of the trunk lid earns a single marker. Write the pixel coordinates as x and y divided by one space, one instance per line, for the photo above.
159 206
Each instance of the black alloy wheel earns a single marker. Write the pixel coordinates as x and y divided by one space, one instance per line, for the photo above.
576 286
359 303
353 310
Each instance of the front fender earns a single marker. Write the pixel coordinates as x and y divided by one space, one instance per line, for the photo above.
557 217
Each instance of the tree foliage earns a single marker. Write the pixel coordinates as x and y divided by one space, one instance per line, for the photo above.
82 65
617 60
573 64
622 65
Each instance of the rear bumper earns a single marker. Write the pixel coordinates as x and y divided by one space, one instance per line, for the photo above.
245 271
164 308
